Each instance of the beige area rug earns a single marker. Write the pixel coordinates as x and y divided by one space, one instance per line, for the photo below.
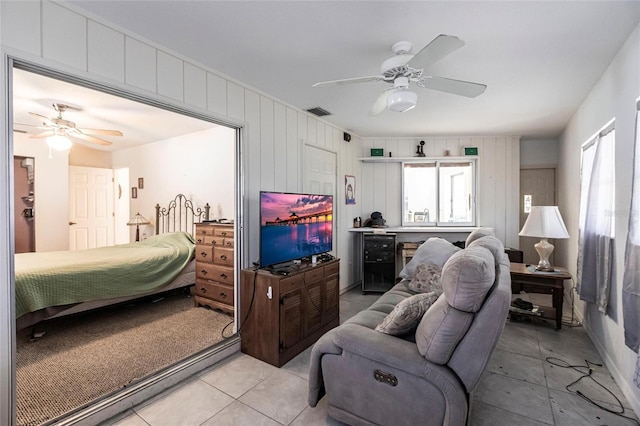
84 357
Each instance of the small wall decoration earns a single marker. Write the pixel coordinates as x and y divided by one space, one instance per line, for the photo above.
350 189
140 183
134 192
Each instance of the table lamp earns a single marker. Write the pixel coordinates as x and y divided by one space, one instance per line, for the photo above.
138 220
544 222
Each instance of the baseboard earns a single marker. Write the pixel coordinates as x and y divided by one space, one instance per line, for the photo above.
352 286
112 405
613 370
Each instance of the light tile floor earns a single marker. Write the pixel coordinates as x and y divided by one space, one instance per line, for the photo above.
519 386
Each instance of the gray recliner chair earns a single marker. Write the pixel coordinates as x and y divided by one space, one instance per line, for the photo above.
375 378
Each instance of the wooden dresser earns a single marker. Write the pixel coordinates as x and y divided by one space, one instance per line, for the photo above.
288 312
214 266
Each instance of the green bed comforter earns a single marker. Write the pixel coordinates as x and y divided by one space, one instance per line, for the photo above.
66 277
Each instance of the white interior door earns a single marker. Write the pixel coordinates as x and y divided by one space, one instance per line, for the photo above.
90 207
320 177
121 216
541 185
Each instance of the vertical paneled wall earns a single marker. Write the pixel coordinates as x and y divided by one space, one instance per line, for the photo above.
498 178
58 36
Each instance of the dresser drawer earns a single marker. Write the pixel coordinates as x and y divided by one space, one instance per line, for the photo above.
215 291
224 231
204 253
223 256
209 271
291 283
204 230
314 275
332 269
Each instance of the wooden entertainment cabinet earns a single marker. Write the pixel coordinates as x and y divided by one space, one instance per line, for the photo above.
289 312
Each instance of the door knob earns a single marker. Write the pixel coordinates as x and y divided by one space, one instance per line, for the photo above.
72 223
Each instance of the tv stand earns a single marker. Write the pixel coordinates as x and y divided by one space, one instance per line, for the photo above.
283 315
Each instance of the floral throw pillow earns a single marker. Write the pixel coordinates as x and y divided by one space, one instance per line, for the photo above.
428 278
407 314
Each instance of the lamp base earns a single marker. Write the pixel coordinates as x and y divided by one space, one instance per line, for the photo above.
544 249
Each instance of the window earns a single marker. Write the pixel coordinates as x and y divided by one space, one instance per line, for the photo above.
596 220
439 193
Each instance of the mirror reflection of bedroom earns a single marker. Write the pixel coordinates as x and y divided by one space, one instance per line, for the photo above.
116 202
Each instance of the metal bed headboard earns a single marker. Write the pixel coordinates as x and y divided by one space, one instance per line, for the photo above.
180 216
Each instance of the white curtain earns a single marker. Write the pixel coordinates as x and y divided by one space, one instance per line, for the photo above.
631 279
596 221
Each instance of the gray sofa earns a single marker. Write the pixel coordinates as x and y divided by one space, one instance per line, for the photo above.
426 377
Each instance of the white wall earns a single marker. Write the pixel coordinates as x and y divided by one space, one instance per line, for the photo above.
498 179
89 48
51 191
614 96
200 165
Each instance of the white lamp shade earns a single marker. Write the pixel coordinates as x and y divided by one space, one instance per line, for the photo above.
59 142
402 100
544 222
138 219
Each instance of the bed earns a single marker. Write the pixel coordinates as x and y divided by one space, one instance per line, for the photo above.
55 284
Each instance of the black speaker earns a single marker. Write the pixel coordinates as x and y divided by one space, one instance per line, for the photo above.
346 136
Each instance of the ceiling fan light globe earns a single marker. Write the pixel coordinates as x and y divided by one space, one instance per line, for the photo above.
402 100
59 142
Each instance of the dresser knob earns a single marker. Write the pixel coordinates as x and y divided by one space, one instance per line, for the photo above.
223 257
204 272
223 295
202 289
229 243
223 276
203 253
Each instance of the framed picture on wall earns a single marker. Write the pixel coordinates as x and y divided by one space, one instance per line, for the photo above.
134 192
350 189
140 183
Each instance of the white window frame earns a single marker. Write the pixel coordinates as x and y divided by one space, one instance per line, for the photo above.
435 218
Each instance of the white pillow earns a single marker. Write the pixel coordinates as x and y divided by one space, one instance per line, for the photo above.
434 251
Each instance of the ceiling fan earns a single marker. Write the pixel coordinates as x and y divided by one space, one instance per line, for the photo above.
405 68
57 127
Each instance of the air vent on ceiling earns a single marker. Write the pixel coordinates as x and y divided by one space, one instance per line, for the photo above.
319 111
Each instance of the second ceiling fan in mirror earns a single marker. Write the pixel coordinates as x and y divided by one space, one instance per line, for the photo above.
56 129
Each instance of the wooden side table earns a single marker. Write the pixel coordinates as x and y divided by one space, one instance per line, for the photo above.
526 278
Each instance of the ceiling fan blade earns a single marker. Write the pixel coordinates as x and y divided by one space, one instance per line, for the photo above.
19 131
350 80
457 87
44 134
381 103
104 132
47 120
439 47
89 138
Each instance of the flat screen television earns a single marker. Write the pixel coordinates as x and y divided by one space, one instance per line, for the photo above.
294 226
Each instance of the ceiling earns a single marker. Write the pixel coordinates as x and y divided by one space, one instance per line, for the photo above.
140 123
539 59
